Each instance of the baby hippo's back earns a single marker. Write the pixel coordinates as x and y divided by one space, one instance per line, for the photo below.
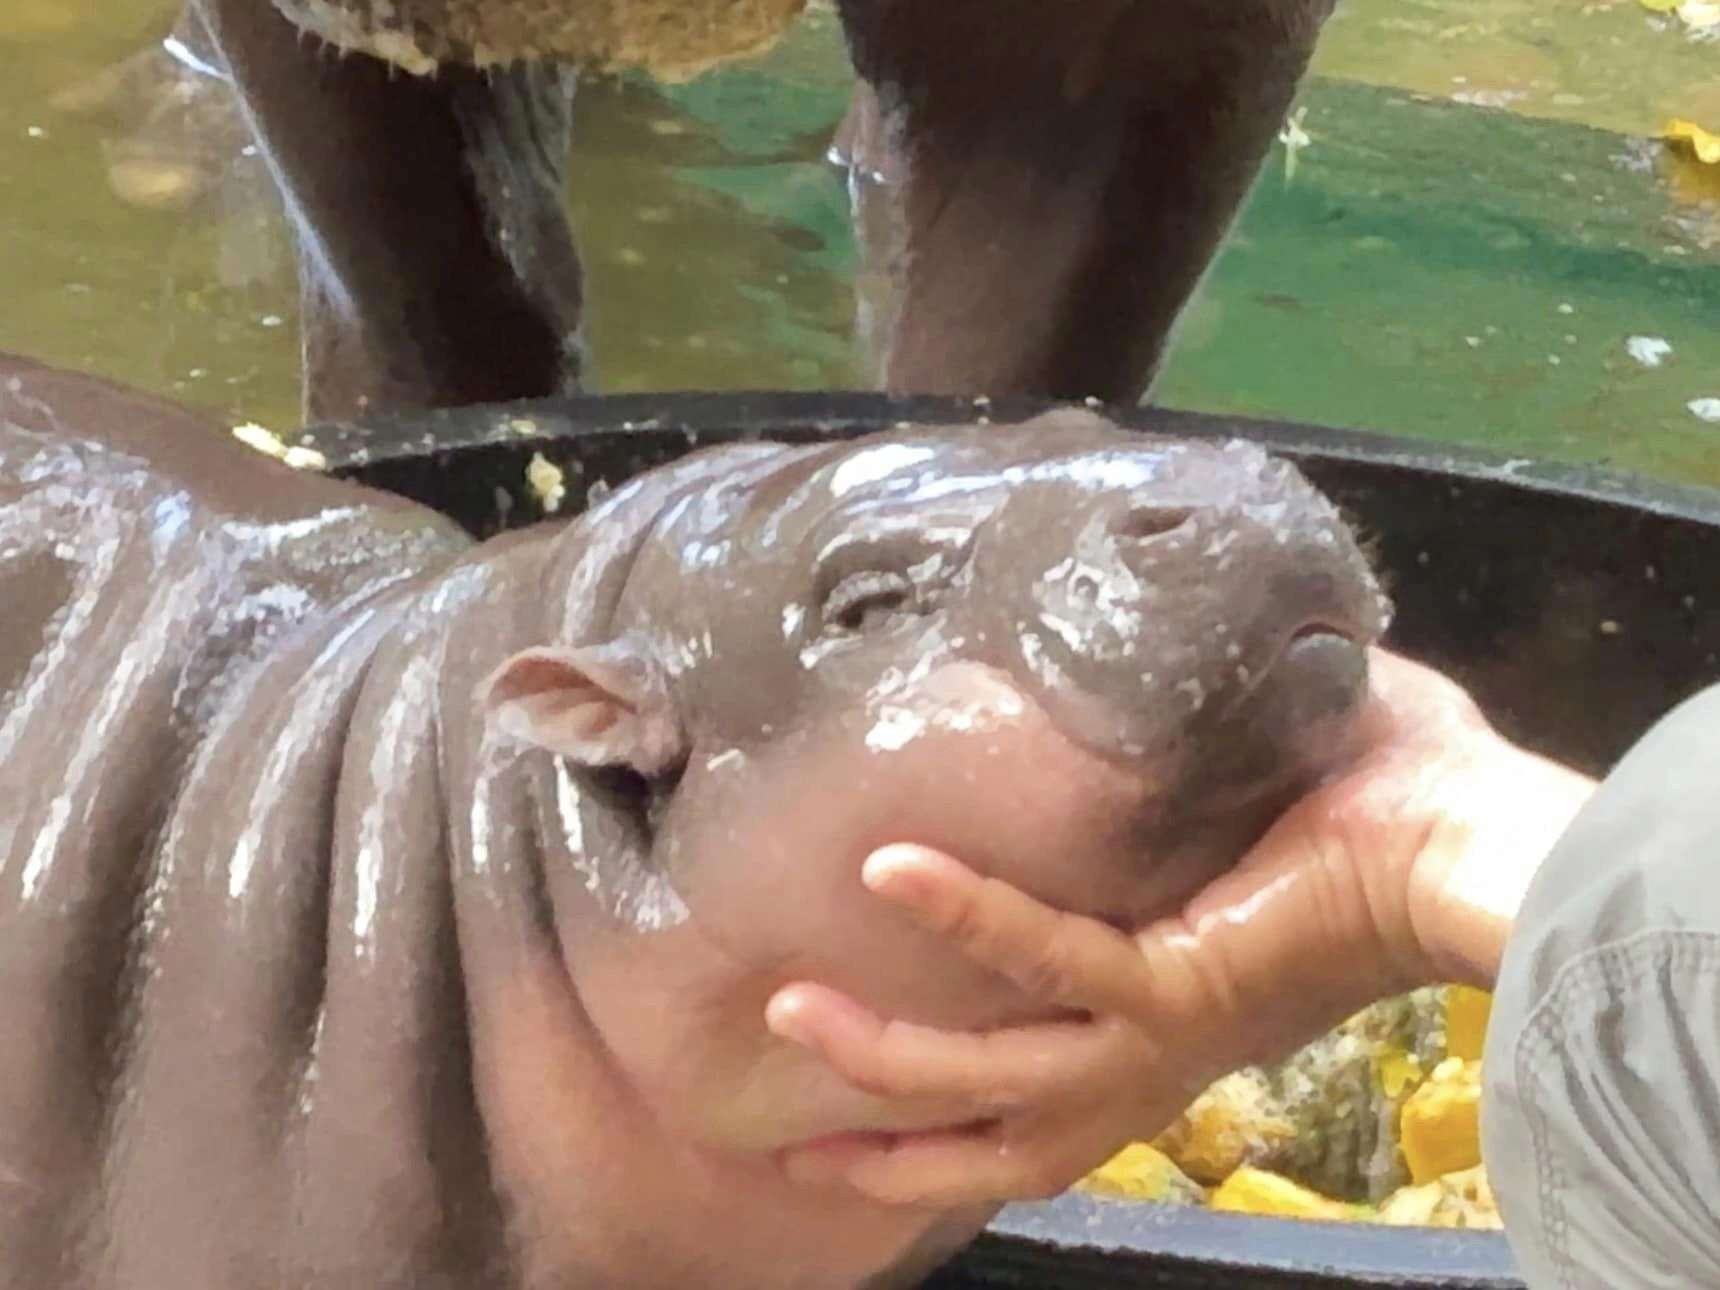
145 557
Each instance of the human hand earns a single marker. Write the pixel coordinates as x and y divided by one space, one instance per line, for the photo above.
1407 870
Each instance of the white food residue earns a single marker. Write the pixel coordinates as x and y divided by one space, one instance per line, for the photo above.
547 482
269 443
1295 137
1650 351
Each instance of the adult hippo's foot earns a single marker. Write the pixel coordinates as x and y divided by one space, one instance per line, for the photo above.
1044 185
436 261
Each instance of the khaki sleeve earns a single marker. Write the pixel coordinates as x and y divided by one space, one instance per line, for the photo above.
1601 1104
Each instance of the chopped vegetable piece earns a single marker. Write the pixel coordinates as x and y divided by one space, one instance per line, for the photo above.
1462 1199
1143 1172
1466 1013
1235 1122
1257 1191
1399 1071
1703 143
547 482
1440 1129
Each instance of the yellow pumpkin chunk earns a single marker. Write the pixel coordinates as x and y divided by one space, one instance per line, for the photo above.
1466 1014
1258 1191
1440 1127
1141 1172
1704 144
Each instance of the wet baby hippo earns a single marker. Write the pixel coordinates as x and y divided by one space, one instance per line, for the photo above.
381 909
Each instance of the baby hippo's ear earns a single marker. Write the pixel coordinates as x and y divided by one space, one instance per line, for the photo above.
597 705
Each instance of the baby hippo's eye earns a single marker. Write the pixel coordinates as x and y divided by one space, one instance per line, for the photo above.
864 602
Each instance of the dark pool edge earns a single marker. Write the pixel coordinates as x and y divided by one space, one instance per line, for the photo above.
1198 1247
714 417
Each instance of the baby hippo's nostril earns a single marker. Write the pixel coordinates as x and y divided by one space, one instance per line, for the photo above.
1148 521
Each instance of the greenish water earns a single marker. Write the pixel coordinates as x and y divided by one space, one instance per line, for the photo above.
1433 267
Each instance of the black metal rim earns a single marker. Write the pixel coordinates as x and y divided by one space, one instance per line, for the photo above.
710 418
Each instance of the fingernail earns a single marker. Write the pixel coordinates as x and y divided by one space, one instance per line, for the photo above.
784 1018
892 864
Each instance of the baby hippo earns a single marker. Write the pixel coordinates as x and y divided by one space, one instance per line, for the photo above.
380 909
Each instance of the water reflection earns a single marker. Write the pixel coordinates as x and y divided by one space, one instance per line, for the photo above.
1411 274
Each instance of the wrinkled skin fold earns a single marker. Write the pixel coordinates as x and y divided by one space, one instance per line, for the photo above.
381 909
1041 186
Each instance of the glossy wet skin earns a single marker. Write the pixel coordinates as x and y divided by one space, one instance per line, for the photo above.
319 970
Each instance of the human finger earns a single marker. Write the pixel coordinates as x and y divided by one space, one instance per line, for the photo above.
995 1162
982 1072
1055 957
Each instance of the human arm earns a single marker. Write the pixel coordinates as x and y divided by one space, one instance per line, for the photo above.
1601 1090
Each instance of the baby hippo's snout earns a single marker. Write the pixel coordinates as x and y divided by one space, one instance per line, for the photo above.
1207 613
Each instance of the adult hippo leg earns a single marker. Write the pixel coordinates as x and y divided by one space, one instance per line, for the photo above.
1058 177
437 263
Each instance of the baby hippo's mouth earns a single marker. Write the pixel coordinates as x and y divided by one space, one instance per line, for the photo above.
1324 666
1235 767
1296 720
1319 677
